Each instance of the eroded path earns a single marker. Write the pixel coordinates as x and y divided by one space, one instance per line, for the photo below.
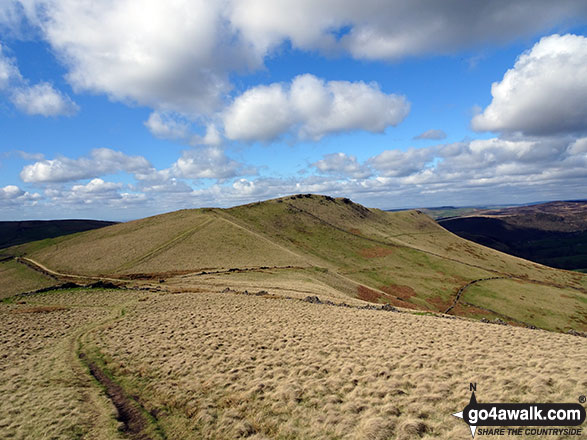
45 383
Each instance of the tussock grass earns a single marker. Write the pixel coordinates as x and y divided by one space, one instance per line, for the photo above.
44 391
224 366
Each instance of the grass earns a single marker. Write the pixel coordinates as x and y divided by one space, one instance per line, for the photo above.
403 258
224 366
217 365
16 278
532 303
46 394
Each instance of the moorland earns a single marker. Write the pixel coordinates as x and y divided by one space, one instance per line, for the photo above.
301 317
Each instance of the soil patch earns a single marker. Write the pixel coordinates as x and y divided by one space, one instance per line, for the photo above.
375 252
403 292
129 411
367 294
373 296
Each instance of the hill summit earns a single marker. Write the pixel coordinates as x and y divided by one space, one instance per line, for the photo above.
320 243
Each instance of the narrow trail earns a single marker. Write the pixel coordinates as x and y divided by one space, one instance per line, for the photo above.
310 260
39 267
129 412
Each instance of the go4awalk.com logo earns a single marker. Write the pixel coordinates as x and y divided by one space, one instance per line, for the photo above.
522 418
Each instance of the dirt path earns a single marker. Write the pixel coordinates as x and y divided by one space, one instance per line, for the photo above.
53 273
129 411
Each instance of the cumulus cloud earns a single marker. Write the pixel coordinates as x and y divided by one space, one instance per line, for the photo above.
432 134
39 99
164 126
171 57
397 163
343 165
96 192
12 195
10 192
460 173
42 99
97 188
311 108
579 146
208 163
544 93
101 161
178 57
376 30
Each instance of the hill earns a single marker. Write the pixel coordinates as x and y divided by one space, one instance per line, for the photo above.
318 244
554 234
18 232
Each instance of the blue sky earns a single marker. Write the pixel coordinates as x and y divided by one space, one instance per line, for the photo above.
122 109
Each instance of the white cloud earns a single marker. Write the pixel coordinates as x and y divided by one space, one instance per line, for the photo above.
101 161
29 156
164 126
12 195
395 28
397 163
171 57
432 134
10 192
208 163
178 56
39 99
96 192
42 99
486 170
343 165
544 93
8 70
311 108
261 113
579 146
212 137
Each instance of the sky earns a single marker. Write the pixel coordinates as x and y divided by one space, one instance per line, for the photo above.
121 109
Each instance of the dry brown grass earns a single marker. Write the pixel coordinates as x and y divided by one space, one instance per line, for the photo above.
44 391
225 366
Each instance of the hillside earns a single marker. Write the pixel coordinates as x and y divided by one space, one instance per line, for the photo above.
18 232
554 234
316 244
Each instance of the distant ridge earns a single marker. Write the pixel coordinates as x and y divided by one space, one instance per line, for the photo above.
551 233
19 232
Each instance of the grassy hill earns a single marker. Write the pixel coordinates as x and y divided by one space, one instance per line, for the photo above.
324 244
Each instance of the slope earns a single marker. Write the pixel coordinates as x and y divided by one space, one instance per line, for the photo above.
554 234
402 258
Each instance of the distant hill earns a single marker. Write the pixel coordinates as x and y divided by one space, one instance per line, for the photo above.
401 258
554 233
19 232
